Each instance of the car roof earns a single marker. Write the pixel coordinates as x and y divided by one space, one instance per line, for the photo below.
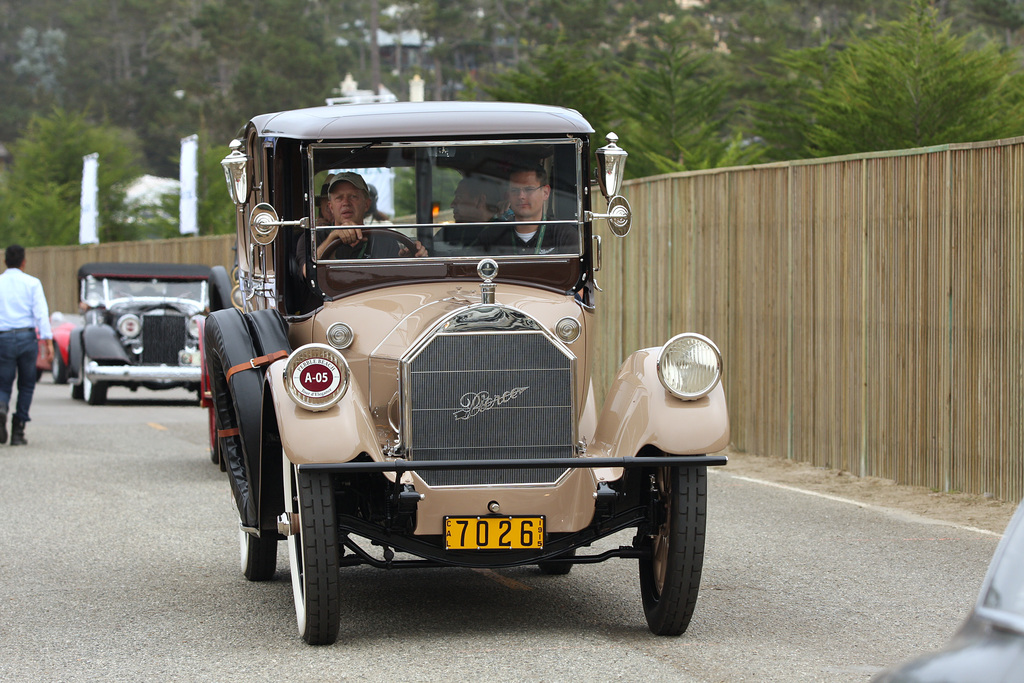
390 120
168 271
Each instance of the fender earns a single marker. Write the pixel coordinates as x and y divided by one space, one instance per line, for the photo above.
339 434
638 412
100 342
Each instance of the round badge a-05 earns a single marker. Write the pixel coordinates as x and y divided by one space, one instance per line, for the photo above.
316 376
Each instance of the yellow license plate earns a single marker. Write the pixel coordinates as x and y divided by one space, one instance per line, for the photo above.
493 533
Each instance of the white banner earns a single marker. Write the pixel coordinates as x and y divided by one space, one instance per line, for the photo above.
189 175
88 232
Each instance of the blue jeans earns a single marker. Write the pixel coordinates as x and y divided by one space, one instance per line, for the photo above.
18 351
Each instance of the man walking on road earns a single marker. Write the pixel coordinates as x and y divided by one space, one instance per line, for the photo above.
23 311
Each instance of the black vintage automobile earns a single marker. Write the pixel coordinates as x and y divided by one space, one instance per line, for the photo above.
141 326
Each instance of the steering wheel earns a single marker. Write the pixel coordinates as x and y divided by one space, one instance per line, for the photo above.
403 242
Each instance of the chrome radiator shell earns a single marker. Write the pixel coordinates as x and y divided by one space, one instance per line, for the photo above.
488 382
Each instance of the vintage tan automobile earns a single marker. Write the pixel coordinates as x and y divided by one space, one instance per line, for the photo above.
421 394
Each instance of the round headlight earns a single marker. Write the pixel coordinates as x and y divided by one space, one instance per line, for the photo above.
193 325
316 376
568 329
689 366
340 336
129 325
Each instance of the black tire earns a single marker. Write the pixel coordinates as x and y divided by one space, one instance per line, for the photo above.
94 393
258 556
670 575
77 392
59 367
220 288
313 554
557 567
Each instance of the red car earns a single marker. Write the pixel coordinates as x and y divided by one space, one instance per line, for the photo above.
61 336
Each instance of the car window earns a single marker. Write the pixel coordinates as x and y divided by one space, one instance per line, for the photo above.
458 200
1006 590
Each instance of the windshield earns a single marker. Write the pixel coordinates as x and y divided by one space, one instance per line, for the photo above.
106 291
444 200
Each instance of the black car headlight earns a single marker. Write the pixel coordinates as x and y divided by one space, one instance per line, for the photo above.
689 366
316 376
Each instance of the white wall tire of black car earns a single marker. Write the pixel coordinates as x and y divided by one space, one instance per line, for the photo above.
313 554
258 555
94 393
670 577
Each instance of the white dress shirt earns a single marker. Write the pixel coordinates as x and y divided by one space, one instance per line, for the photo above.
22 303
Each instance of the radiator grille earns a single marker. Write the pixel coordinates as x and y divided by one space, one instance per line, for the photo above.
163 336
480 396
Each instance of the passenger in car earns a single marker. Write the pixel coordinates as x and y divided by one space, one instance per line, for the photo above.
528 192
477 199
348 200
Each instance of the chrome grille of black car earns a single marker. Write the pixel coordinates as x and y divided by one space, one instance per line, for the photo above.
163 336
491 395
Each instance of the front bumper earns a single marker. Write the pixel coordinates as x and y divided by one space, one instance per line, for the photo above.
401 465
142 373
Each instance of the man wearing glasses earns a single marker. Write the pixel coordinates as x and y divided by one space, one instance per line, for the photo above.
528 193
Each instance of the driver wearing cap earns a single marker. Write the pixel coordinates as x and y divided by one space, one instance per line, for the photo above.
348 202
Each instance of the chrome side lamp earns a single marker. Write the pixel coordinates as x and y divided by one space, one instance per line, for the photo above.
234 165
611 167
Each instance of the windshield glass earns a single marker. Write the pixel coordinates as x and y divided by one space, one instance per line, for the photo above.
104 291
444 200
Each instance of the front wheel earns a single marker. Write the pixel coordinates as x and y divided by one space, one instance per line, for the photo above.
94 393
670 575
59 368
313 554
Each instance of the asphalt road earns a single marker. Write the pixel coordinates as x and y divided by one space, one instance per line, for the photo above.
119 562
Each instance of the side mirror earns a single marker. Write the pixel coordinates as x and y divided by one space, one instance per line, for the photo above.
611 166
235 173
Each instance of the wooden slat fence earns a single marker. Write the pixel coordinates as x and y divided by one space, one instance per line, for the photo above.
869 308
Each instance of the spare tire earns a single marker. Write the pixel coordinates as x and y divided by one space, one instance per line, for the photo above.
231 339
220 288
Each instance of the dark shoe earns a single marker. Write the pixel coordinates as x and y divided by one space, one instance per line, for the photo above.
17 433
3 427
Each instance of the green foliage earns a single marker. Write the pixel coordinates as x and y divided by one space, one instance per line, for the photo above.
41 196
914 85
674 112
563 76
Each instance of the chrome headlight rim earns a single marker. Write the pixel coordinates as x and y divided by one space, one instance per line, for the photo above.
668 372
327 380
129 326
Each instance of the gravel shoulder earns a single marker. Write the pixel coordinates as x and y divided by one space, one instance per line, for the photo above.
955 508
